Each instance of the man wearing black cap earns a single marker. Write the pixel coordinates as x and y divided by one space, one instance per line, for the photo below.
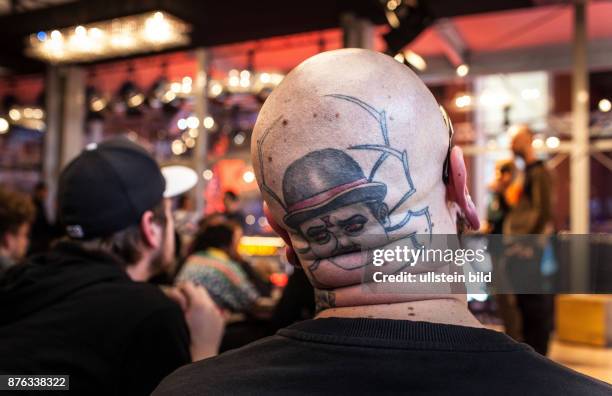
84 309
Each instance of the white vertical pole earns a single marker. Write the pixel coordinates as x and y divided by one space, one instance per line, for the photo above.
74 115
580 160
579 155
357 32
52 138
201 111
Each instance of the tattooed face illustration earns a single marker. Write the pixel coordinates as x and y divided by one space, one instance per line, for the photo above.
344 230
334 207
337 209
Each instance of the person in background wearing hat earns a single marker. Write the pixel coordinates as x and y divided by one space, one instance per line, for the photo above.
392 339
84 309
16 216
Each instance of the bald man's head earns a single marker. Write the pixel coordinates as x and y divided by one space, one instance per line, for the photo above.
349 152
521 139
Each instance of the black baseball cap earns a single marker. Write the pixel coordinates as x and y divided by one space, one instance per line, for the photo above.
110 185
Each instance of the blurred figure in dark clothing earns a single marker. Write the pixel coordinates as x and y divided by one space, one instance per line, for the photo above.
497 211
42 231
232 211
532 215
499 207
297 302
186 220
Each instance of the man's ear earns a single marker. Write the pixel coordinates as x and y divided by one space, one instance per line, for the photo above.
457 190
151 231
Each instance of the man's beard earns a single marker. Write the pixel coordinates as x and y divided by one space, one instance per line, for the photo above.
162 262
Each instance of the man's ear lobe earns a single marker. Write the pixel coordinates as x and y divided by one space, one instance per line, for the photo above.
457 188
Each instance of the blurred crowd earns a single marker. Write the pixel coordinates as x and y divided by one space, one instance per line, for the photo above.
206 253
123 253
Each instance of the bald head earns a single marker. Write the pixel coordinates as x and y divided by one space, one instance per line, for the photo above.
521 138
349 153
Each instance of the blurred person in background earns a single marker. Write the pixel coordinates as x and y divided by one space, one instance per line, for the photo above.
231 204
500 204
212 264
16 214
383 338
532 215
261 283
186 223
234 285
84 309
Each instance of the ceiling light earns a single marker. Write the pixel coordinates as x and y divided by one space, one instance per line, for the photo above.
393 4
178 147
119 37
392 19
239 138
553 142
463 101
4 125
193 122
248 177
207 174
97 104
537 143
216 89
15 114
135 100
463 70
415 60
604 105
209 122
190 142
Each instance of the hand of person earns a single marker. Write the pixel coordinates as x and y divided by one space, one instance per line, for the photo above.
204 319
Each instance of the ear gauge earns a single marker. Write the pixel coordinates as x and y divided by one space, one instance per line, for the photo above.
451 132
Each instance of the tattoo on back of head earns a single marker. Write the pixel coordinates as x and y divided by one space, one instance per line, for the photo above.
324 299
330 201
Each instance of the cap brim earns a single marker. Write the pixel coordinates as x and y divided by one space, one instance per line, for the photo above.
179 179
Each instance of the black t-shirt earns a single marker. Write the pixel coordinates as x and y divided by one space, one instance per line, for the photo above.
378 356
78 313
